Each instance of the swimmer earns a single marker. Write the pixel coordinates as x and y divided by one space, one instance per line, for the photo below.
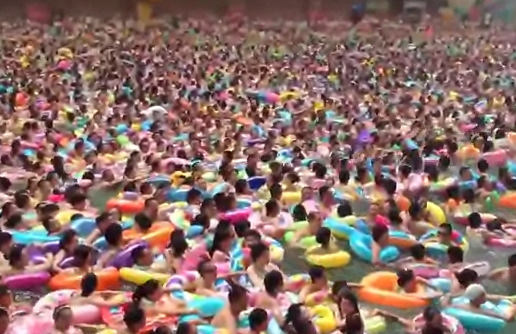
6 243
475 296
417 256
380 235
230 314
205 284
63 321
314 224
151 297
417 223
67 244
115 243
271 220
318 283
298 321
175 252
507 274
326 246
89 295
260 264
411 284
143 259
81 260
102 222
19 262
273 298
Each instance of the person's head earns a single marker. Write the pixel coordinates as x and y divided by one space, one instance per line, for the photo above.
380 234
237 298
6 242
432 316
69 240
455 254
476 294
221 242
4 320
318 277
252 237
186 328
258 320
82 256
207 271
298 318
336 287
113 235
344 210
431 329
150 290
299 213
18 257
466 277
63 317
347 301
142 256
474 220
14 222
445 231
89 283
163 329
79 201
194 197
260 254
273 282
494 225
178 243
272 208
6 296
103 220
406 280
241 228
511 264
143 222
134 319
418 252
323 237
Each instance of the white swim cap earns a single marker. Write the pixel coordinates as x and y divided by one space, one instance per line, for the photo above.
474 291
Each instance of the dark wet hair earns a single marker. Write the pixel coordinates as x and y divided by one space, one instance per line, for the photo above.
316 272
418 252
257 250
455 254
144 291
178 243
344 210
405 276
466 277
89 283
323 236
474 220
257 318
272 281
299 213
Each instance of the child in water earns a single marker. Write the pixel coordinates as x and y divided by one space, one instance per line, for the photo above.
409 283
417 256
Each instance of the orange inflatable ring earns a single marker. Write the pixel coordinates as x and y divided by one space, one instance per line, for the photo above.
469 152
508 201
112 316
157 236
108 279
512 137
125 206
382 288
403 203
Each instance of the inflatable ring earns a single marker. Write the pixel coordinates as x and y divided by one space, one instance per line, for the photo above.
382 288
439 250
333 260
108 279
157 236
291 197
403 203
305 242
375 324
463 219
451 323
341 228
112 316
479 322
137 276
82 314
125 206
508 201
437 214
360 244
324 319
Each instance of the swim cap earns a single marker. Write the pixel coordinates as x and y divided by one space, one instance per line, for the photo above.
474 291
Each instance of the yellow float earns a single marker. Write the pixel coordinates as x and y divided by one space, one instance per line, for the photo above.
332 260
136 276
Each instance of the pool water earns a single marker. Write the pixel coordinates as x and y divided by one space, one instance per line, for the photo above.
294 263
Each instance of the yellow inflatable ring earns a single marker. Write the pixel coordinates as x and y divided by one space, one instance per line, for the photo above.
436 213
137 276
65 216
324 319
333 260
291 197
